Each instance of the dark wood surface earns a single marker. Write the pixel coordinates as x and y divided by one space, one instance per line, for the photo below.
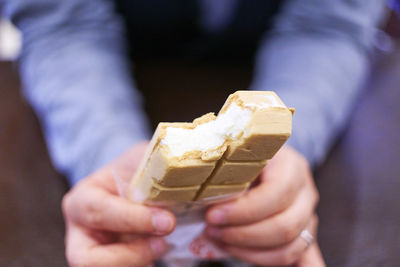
359 183
31 224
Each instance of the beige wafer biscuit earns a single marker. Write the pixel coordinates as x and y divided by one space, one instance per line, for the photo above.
151 190
268 129
215 191
172 172
236 172
213 156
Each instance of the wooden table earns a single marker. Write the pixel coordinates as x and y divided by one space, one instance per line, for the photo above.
359 183
31 224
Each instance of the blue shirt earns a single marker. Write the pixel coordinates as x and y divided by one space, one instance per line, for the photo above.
315 57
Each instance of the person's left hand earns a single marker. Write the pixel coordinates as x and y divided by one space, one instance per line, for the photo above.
264 226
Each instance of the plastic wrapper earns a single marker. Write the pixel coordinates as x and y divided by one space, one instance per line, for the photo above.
187 243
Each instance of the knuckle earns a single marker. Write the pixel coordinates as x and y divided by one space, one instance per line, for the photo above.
65 204
288 231
303 166
290 257
313 196
314 223
248 214
139 218
234 237
316 219
316 196
75 260
94 218
127 222
286 199
124 220
93 213
300 159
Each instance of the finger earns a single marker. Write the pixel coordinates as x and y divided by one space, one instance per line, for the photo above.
281 256
124 167
278 230
83 250
281 182
97 209
312 258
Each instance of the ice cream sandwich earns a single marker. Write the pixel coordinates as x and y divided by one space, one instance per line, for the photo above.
213 157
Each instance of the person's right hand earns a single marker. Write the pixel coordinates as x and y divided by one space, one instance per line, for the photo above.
104 229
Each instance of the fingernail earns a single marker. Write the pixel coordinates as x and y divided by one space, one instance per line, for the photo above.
214 232
157 246
217 217
162 222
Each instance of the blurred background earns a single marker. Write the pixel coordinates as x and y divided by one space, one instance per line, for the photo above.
359 182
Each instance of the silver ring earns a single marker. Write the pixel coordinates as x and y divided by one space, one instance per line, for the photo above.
307 237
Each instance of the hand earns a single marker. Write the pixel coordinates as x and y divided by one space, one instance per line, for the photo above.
263 227
104 229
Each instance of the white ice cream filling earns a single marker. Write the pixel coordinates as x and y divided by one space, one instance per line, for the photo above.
209 135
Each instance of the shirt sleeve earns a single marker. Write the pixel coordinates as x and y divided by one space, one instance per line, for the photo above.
77 78
316 58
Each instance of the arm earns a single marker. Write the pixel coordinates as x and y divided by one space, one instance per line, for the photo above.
316 58
76 76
